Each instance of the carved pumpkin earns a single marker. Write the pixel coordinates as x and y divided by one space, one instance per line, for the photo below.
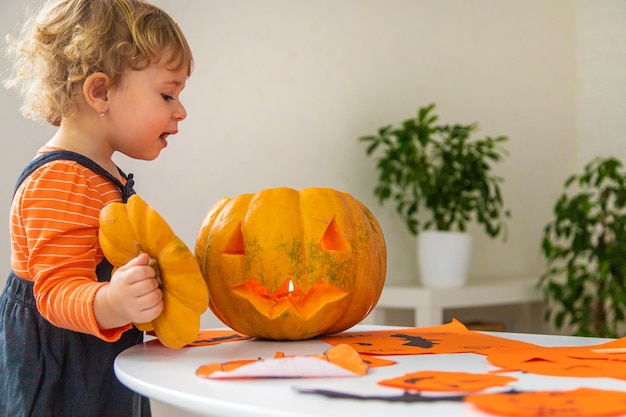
287 265
128 229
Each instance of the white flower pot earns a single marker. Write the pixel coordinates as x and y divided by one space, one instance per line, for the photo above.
443 258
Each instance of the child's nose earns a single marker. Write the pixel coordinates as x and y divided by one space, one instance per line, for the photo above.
180 113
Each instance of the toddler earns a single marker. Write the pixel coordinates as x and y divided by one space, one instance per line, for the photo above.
108 74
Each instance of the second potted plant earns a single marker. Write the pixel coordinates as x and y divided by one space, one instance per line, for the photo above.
584 284
440 170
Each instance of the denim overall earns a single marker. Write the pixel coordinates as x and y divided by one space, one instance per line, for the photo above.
46 371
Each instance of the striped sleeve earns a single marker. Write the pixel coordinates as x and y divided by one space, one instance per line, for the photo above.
54 235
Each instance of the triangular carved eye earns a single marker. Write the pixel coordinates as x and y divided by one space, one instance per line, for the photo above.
334 239
235 245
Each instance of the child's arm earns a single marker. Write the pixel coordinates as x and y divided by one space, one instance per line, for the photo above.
132 296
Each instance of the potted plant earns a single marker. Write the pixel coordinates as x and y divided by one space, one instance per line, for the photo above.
584 284
441 171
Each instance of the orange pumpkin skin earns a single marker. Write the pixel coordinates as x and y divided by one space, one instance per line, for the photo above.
126 230
327 243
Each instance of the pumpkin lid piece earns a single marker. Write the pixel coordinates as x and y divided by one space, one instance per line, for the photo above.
126 230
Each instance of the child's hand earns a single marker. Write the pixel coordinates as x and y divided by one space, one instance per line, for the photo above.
133 295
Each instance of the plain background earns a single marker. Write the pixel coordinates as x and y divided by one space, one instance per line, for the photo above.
282 89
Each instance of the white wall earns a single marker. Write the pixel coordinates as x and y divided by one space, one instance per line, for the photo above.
601 65
282 90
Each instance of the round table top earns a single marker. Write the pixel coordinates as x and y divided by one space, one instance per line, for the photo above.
169 376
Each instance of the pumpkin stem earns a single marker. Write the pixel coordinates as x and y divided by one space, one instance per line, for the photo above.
154 265
157 272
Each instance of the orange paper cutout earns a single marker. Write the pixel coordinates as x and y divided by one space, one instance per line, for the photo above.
611 347
581 402
346 357
374 361
446 381
206 370
215 337
560 361
343 356
370 361
452 337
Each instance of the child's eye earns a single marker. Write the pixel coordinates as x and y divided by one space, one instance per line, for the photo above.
166 97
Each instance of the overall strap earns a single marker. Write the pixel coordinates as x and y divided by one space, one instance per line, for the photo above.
127 189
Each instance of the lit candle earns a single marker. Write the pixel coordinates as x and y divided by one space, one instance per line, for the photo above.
288 289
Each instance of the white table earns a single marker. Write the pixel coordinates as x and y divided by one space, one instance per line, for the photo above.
429 304
169 376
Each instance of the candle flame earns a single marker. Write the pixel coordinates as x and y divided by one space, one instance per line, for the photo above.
290 286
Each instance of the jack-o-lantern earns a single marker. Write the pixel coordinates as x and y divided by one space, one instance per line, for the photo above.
291 264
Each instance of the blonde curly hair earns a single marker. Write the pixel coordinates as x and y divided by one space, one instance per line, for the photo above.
68 40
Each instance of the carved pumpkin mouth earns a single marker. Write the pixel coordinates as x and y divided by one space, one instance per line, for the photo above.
289 297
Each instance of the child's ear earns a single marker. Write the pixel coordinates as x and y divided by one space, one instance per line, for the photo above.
95 90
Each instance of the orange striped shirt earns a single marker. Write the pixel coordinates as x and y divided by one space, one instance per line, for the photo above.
54 240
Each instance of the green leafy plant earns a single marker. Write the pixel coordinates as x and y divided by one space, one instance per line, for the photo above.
439 168
585 247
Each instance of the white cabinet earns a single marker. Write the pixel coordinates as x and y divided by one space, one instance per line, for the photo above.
429 304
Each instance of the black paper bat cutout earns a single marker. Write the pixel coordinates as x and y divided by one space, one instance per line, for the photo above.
407 397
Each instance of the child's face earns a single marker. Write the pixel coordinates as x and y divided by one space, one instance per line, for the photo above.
144 110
